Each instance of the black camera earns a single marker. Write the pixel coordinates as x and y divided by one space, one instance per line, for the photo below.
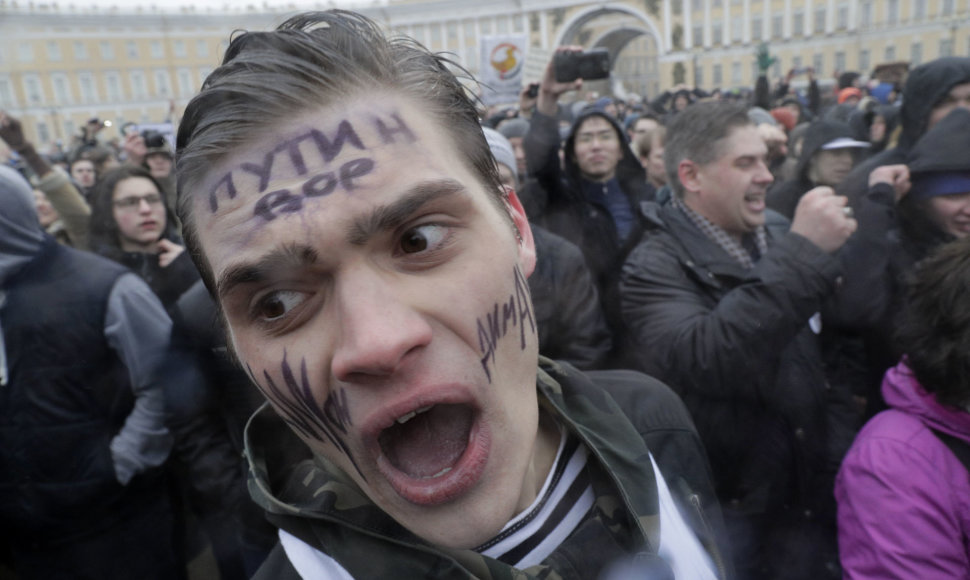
533 91
590 64
153 139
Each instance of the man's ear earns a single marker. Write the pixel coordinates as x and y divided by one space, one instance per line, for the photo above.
688 173
527 246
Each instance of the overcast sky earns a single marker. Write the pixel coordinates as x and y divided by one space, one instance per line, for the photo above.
205 5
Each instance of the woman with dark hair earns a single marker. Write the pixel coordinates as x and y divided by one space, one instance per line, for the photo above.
909 211
131 224
903 491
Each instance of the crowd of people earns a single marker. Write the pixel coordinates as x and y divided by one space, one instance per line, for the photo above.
707 335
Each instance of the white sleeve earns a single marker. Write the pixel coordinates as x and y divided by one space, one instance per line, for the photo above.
312 564
679 547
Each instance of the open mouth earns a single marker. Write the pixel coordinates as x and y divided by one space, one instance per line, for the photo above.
755 201
433 454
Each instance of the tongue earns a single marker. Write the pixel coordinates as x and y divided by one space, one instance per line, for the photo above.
430 442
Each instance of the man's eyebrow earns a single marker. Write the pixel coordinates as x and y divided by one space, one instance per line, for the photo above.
266 267
391 216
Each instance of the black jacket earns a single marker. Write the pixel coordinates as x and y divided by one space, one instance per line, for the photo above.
737 346
925 87
572 215
784 197
569 318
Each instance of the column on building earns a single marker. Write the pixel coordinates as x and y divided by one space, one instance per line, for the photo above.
688 24
668 25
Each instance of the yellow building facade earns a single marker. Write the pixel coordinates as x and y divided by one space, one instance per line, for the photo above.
61 67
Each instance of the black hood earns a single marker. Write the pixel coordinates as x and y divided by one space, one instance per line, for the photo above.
926 86
818 134
628 166
945 147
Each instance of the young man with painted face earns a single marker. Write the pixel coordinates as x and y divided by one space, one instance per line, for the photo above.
722 299
372 275
593 196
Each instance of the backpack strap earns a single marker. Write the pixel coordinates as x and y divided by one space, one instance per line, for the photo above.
959 447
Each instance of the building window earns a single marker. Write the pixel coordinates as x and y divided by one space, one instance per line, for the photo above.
518 24
69 127
131 49
25 52
796 61
916 53
452 29
417 33
163 87
776 68
798 23
818 63
6 94
107 50
919 10
946 8
204 73
717 34
840 61
736 73
698 32
80 50
43 133
777 25
179 49
158 51
737 29
866 11
864 60
62 94
892 12
697 5
756 25
698 76
435 35
186 87
946 47
842 17
819 20
502 24
32 90
485 24
201 48
113 85
138 91
890 53
469 26
716 74
89 93
53 51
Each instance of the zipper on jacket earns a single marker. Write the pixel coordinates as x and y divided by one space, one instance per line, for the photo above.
695 501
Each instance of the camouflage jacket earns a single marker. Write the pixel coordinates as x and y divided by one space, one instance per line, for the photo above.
322 506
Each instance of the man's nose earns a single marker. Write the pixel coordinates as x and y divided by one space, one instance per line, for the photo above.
377 328
144 206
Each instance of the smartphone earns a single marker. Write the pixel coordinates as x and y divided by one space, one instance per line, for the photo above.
589 64
533 91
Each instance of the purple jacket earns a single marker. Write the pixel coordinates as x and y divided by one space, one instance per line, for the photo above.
904 498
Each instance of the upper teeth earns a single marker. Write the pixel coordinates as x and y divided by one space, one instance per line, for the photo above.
405 418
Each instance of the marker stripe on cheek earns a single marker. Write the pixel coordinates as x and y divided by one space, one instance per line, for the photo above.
299 409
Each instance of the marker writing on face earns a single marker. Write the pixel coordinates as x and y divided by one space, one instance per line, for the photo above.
509 314
298 407
300 155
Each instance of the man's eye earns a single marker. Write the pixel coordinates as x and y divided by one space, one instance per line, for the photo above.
276 305
422 238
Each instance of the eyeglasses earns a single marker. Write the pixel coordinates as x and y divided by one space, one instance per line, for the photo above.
134 201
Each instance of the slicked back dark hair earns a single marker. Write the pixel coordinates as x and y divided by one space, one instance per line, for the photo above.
308 62
696 133
934 331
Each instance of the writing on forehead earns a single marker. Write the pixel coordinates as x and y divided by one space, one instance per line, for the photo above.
310 154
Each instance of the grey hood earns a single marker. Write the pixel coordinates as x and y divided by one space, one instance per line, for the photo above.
20 237
20 232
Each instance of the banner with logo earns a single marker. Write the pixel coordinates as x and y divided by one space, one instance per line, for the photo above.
502 64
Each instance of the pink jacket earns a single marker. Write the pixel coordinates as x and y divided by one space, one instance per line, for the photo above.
904 498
